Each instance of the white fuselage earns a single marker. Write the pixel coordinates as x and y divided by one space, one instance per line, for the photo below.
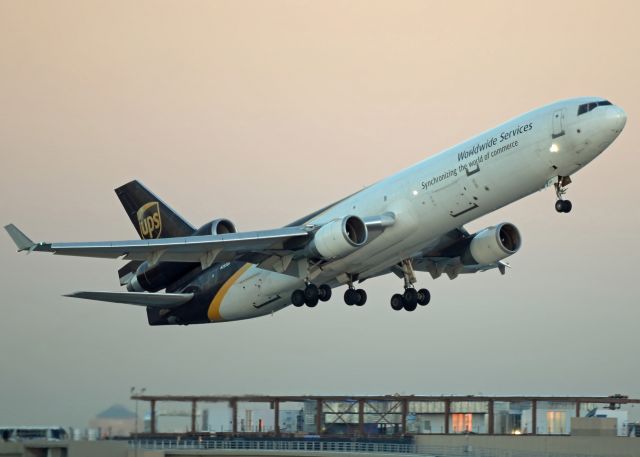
444 192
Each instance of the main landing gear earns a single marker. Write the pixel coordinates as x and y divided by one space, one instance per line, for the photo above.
409 300
562 205
311 295
353 296
411 297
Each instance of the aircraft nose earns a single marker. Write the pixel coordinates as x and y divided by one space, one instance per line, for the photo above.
616 118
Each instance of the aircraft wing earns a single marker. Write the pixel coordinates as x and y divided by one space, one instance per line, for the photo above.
197 249
452 266
442 256
445 257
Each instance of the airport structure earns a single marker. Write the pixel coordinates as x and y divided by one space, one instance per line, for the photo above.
393 415
332 426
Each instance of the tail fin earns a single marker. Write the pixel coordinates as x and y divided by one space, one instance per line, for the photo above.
151 217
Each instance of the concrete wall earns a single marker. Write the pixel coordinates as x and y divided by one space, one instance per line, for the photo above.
10 450
73 448
593 426
544 444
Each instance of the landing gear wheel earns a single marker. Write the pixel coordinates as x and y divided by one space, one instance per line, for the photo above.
563 206
350 297
311 292
311 295
362 297
324 292
297 298
397 302
410 306
424 297
560 206
410 297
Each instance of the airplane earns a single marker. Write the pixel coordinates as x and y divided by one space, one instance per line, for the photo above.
412 221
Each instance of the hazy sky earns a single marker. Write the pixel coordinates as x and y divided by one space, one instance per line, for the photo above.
262 112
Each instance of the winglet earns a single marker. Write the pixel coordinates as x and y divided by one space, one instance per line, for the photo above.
22 241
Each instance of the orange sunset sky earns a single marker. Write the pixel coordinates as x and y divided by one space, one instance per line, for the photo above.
262 112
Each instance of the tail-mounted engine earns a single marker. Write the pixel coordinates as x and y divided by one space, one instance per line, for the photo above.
153 278
216 227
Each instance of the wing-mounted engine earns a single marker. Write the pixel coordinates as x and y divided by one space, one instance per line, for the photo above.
471 253
492 244
339 238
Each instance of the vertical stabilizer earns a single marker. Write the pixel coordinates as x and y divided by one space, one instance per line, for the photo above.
151 217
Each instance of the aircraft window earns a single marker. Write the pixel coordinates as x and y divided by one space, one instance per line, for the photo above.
586 107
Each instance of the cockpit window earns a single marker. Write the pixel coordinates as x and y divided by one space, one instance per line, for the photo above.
586 107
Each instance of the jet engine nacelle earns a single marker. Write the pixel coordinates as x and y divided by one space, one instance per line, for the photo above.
153 278
216 227
493 244
338 238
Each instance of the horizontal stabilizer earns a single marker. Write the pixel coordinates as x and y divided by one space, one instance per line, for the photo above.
136 298
20 239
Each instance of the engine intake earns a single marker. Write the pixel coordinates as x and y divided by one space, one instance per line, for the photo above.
493 244
339 237
216 227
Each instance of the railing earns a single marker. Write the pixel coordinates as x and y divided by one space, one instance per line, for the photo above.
343 446
293 446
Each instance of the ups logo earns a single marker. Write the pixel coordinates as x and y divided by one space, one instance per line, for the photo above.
149 220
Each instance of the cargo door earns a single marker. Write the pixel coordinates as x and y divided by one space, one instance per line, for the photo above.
558 123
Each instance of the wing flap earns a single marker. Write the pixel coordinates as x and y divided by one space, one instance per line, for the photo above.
136 298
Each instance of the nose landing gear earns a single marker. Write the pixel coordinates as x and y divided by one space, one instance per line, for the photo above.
562 205
411 297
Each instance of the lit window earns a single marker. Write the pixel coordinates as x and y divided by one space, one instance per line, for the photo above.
462 423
